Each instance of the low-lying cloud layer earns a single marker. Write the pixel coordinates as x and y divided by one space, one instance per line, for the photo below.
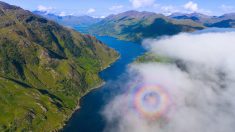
195 93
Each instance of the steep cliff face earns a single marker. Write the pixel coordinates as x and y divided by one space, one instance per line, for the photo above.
44 70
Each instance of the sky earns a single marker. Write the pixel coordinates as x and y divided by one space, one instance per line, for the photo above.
102 8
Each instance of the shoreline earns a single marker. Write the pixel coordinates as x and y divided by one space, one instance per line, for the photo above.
98 86
90 90
69 122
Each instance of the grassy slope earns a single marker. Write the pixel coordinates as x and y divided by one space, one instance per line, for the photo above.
44 70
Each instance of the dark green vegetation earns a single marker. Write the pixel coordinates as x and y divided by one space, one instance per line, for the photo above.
44 70
150 57
135 26
230 23
69 20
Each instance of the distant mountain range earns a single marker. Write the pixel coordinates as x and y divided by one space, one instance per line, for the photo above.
45 69
135 26
224 21
197 17
69 20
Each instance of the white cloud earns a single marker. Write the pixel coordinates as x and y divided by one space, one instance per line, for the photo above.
227 8
44 8
191 6
195 91
102 17
116 7
206 12
91 10
142 3
62 14
98 16
168 10
214 49
155 5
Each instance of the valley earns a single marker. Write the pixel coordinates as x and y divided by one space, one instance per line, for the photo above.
69 68
135 25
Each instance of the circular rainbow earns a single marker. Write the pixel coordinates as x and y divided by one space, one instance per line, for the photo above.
150 101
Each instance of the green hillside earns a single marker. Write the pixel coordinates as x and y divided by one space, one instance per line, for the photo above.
44 70
150 57
135 26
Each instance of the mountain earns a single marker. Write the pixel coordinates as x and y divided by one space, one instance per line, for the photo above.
230 23
135 26
69 20
224 21
197 17
45 69
228 16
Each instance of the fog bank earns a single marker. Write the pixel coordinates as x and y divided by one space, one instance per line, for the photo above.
193 93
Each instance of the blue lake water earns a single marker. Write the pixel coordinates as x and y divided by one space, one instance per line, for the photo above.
88 118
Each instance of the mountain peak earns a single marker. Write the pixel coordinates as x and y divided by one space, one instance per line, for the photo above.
177 14
137 13
133 14
194 14
228 15
199 15
5 6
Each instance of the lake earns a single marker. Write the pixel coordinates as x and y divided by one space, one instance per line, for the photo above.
88 117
